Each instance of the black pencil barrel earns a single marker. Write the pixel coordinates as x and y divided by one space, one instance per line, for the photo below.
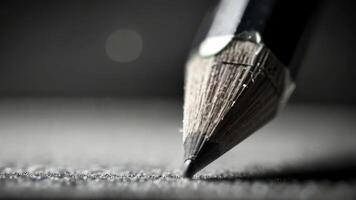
280 23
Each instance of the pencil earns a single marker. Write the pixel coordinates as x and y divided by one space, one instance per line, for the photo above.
240 74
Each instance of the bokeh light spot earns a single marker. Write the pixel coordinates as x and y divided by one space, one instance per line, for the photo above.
124 45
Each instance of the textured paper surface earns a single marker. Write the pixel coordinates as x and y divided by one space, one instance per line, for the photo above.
112 148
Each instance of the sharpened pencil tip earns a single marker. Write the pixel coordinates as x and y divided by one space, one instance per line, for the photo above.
188 171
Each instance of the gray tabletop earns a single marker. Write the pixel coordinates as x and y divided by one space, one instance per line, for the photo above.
125 148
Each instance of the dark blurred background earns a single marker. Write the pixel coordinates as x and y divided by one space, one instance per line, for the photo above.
139 48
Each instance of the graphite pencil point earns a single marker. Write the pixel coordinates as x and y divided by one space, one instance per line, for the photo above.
227 98
188 169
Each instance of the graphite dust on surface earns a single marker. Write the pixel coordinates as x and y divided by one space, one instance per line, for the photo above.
98 181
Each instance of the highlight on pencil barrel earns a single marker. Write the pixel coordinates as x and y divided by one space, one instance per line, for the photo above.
235 83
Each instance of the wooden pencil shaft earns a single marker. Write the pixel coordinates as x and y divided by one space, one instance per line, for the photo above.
227 98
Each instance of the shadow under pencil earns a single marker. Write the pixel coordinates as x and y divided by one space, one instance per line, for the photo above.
321 170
